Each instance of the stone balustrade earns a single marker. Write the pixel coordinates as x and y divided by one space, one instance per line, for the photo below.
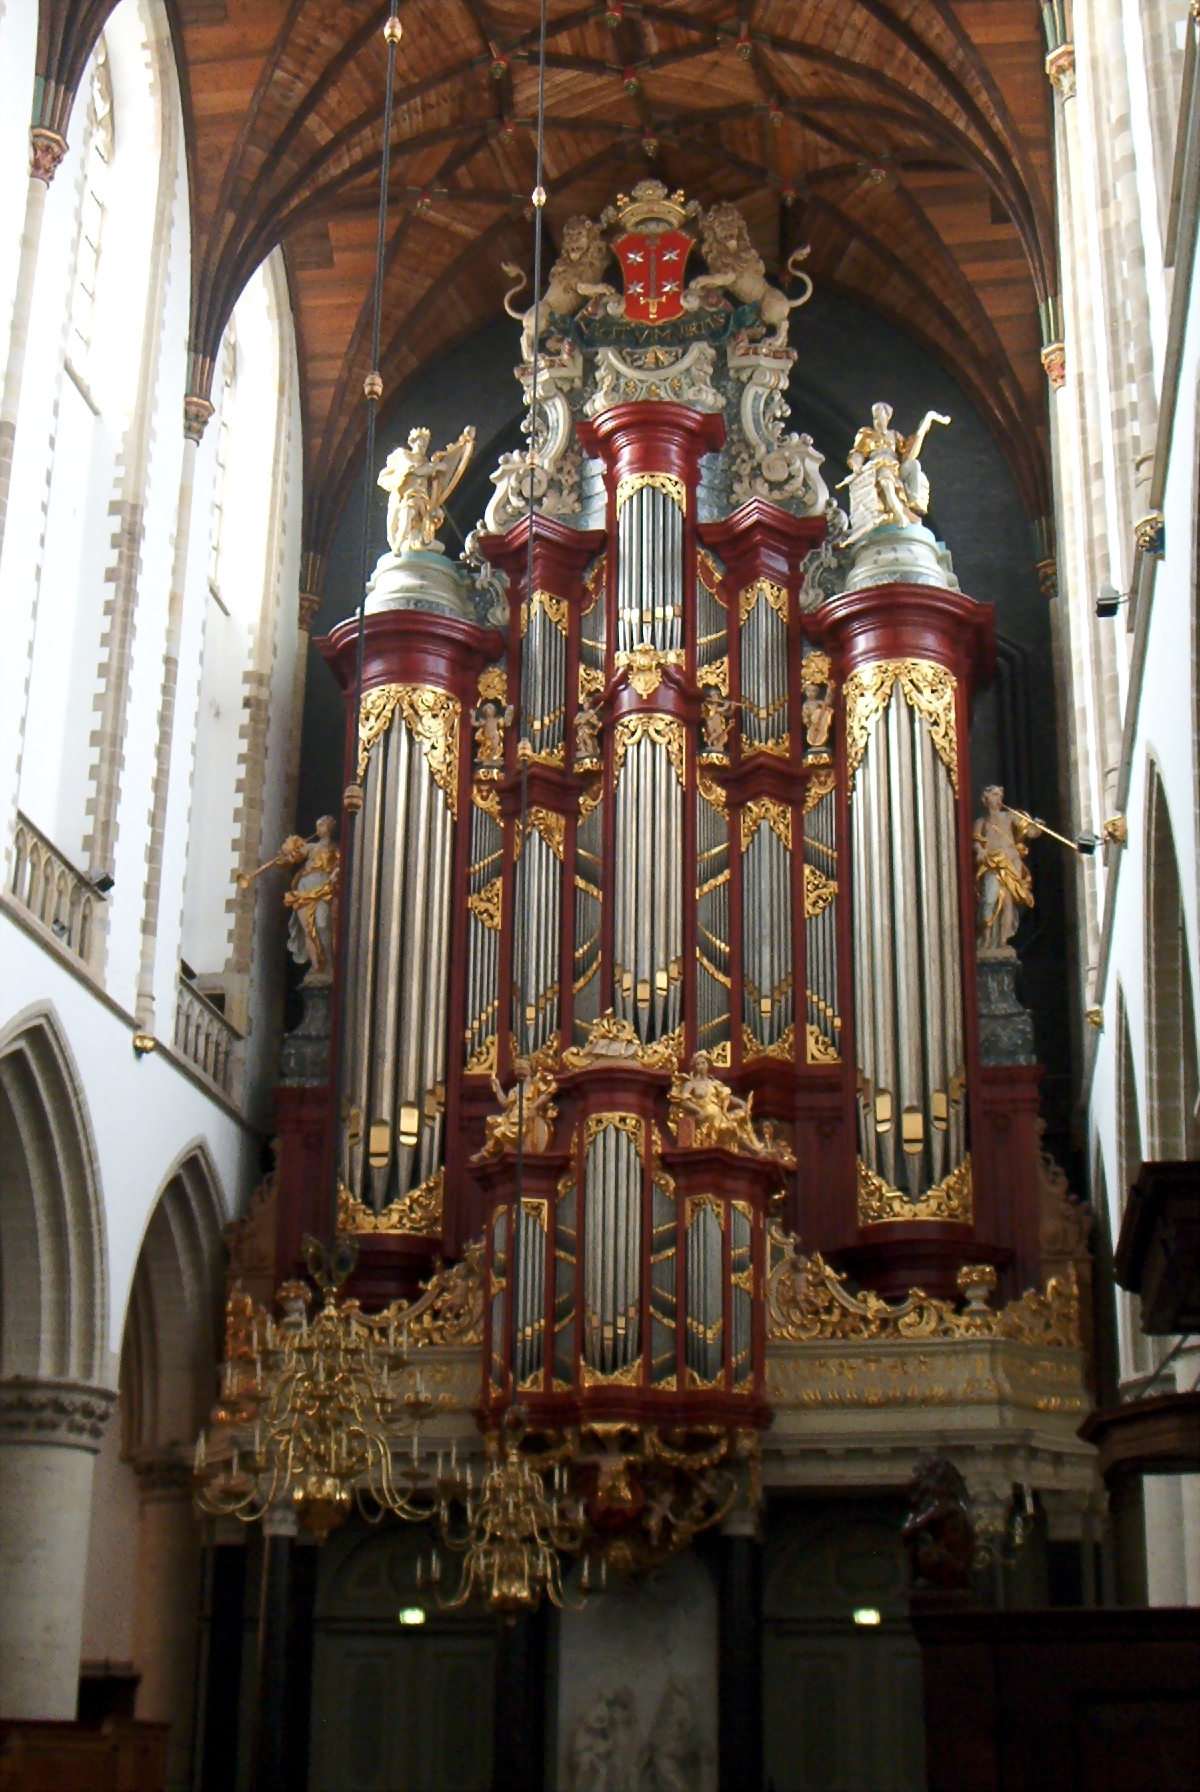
63 899
205 1038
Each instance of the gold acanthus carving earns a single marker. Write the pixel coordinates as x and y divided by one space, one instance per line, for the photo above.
419 1211
665 731
714 676
591 681
629 1124
593 583
493 685
819 891
591 798
485 904
818 787
781 747
820 1049
709 575
612 1039
485 796
712 792
777 815
450 1310
555 608
484 1058
645 666
928 688
776 596
807 1300
663 482
784 1047
549 824
950 1199
433 718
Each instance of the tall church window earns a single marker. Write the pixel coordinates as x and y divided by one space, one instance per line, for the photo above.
97 159
225 417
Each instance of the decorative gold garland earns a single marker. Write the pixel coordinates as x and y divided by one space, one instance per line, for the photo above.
776 596
765 808
950 1199
928 688
432 717
663 482
665 731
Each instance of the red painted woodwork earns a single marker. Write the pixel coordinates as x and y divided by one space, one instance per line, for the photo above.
648 437
304 1173
561 556
892 622
1005 1157
761 541
898 1255
411 647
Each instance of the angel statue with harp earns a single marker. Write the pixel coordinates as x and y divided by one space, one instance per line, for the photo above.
419 484
886 480
312 897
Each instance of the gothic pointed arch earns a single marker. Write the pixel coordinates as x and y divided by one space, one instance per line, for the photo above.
1172 1076
53 1261
171 1326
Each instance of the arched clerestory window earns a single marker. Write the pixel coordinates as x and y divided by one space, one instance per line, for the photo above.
97 161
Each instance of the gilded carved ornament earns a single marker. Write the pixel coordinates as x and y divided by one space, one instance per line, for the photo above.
819 1049
950 1199
611 1038
555 608
493 685
663 482
819 891
807 1301
549 824
928 688
432 717
819 785
777 815
419 1211
776 596
485 904
665 731
645 665
709 575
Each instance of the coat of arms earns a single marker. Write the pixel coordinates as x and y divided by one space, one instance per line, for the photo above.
652 251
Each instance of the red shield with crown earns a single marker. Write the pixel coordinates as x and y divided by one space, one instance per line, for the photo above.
653 263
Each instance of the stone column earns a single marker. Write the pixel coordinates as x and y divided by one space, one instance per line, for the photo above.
47 150
50 1432
740 1682
166 1609
518 1728
270 1735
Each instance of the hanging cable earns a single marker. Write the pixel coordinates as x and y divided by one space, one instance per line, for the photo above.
353 798
521 917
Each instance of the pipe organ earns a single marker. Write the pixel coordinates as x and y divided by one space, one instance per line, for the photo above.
661 901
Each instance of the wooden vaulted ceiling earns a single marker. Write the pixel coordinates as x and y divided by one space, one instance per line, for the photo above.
908 141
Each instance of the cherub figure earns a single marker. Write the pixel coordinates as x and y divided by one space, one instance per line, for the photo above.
702 1105
419 484
489 721
718 722
527 1107
587 729
312 897
938 1532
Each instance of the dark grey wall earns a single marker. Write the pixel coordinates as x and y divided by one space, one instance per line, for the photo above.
848 358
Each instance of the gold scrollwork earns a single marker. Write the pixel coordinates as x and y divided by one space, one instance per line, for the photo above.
950 1199
593 583
776 596
807 1301
784 1047
555 608
665 731
450 1311
493 685
485 796
431 715
714 676
712 792
551 826
818 786
819 1049
645 665
483 1059
663 482
781 747
590 798
819 891
629 1124
418 1212
709 575
928 688
815 668
765 808
485 904
591 680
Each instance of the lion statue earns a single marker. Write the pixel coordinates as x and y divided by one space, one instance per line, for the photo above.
574 277
735 264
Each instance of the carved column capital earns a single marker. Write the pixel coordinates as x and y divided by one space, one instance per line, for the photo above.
46 151
1054 360
196 413
309 603
70 1413
1060 66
